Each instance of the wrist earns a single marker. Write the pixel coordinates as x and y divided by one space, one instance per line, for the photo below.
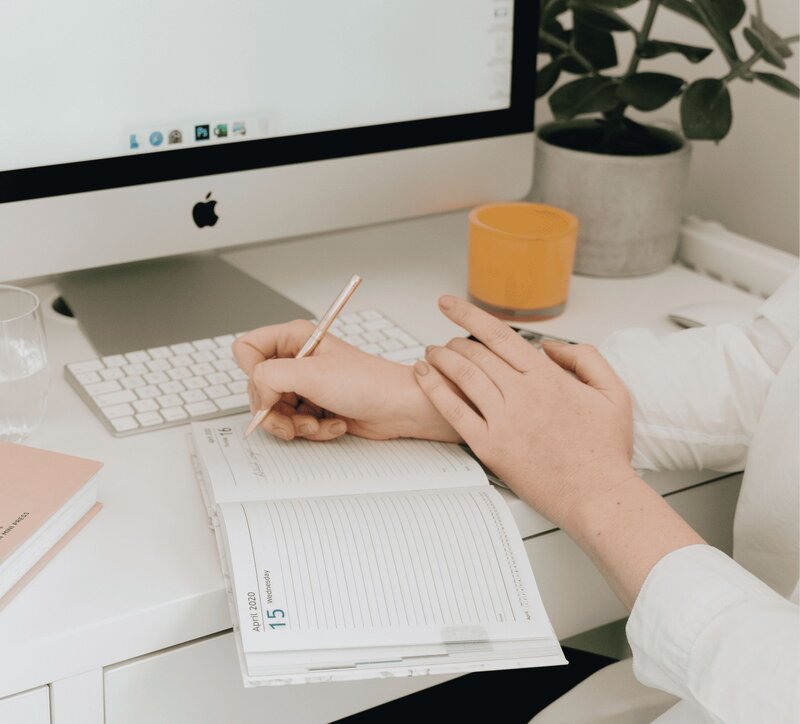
414 414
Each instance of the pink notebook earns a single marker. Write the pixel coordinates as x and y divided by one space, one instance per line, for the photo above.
34 486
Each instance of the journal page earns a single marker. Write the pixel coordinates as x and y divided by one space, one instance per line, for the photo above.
389 569
262 467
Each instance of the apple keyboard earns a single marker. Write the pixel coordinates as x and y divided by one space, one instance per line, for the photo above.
172 385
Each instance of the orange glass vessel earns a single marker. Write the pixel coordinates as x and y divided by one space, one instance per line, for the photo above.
520 259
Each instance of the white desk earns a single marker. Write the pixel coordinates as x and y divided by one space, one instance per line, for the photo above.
144 576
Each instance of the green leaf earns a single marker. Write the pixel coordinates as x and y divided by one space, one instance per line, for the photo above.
706 110
612 3
770 37
683 7
553 9
554 28
597 46
756 42
547 77
584 95
648 91
597 17
657 48
724 14
779 83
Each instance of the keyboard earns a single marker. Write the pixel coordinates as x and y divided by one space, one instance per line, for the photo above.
150 389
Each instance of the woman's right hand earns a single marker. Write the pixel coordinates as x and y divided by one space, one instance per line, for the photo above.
337 389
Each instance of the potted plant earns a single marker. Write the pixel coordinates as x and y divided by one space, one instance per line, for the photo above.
623 179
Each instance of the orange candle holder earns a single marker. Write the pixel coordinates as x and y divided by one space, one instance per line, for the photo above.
520 259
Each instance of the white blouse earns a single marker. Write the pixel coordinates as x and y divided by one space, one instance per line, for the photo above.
723 634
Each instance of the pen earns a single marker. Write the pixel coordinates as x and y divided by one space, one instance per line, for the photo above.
315 338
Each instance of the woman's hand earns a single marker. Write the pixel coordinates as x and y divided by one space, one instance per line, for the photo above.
338 389
556 438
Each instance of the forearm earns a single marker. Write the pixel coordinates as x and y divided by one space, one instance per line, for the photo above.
626 528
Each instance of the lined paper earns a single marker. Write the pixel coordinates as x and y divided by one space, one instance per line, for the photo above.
345 569
263 467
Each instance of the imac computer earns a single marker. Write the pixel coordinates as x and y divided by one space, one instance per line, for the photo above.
138 137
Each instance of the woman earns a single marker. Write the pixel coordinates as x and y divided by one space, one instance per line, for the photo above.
720 635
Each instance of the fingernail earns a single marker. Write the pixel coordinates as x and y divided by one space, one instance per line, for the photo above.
552 343
281 433
421 368
338 427
429 349
304 429
446 302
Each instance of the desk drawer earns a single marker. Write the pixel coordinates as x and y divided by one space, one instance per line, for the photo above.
576 596
30 707
200 683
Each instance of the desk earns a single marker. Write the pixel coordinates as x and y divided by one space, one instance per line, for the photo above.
107 624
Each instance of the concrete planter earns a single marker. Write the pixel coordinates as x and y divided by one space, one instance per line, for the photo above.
629 207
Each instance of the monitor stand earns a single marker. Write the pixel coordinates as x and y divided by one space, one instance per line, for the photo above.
164 301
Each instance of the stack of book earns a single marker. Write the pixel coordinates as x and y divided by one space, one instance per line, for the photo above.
45 499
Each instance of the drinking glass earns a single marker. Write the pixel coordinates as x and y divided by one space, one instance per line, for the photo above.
23 363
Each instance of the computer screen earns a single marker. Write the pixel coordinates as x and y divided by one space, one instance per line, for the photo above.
103 95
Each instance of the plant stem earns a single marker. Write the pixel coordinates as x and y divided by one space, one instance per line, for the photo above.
567 48
740 69
641 37
731 59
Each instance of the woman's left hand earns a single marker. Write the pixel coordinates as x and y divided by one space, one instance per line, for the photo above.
555 438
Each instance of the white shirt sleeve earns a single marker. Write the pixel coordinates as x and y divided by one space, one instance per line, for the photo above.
706 630
698 394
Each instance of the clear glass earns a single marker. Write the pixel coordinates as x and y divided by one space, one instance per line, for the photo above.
24 375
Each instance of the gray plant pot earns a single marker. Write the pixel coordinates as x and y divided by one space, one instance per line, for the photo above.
629 207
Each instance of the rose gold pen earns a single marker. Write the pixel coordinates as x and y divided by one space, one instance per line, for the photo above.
315 338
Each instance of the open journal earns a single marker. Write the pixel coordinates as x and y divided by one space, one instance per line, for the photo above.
354 559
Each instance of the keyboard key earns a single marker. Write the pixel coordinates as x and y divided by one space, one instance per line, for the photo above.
182 348
372 348
148 419
390 345
115 360
373 325
100 388
348 329
193 396
233 401
112 373
113 411
202 368
195 383
223 365
405 354
374 336
237 373
140 356
238 386
87 378
350 317
223 353
124 424
130 383
145 405
204 344
371 314
148 391
195 409
158 365
135 369
204 356
173 414
171 387
115 398
218 378
155 378
181 360
159 352
216 391
90 365
179 373
169 401
355 339
405 339
225 340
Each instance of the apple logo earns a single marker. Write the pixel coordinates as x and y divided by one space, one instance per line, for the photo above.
203 212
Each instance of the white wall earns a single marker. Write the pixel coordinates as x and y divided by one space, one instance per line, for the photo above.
749 181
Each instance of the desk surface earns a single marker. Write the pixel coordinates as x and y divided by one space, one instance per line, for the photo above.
144 574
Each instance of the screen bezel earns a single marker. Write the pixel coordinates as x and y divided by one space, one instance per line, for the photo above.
133 170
